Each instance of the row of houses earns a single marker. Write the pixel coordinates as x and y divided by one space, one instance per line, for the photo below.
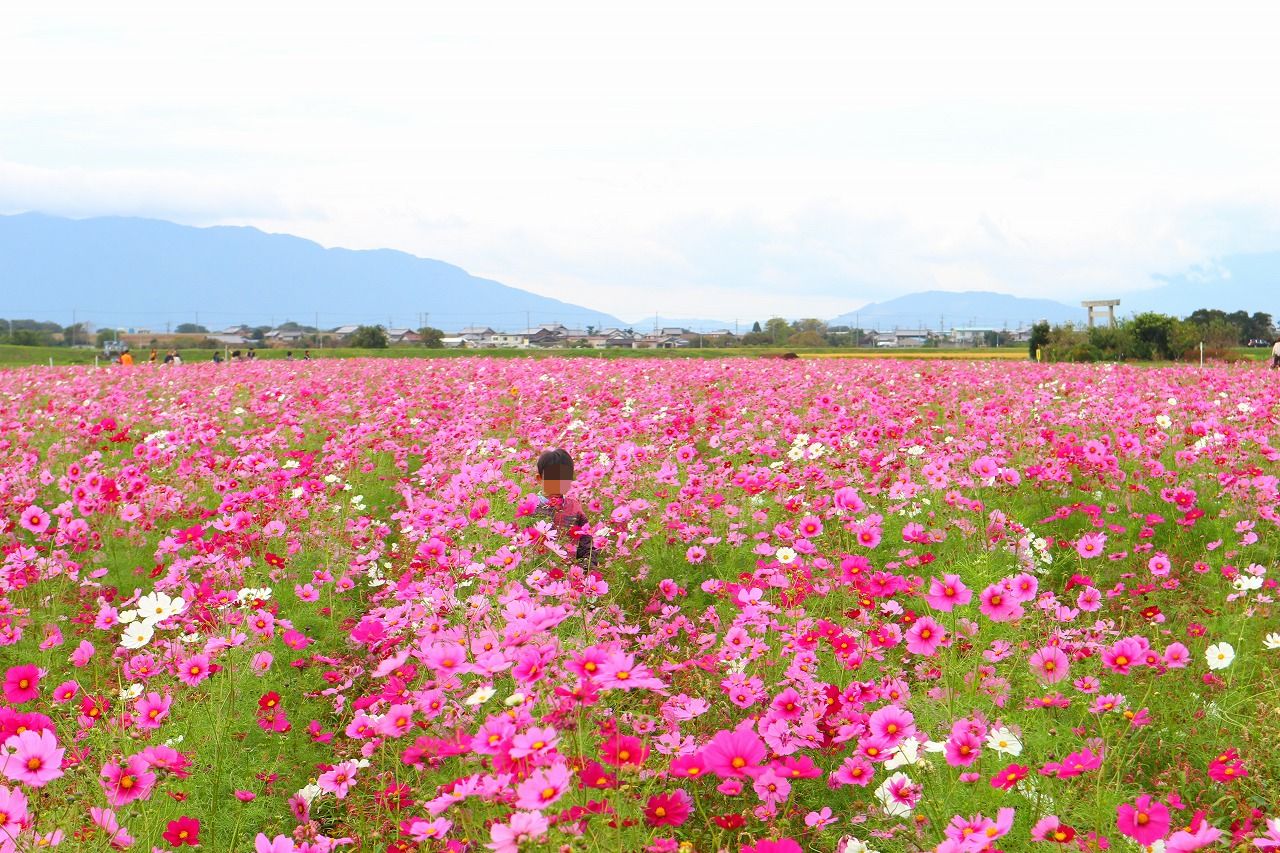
960 337
558 335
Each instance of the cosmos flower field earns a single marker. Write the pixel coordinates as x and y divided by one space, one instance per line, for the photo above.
838 606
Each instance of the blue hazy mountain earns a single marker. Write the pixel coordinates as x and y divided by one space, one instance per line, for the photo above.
116 271
1232 283
934 309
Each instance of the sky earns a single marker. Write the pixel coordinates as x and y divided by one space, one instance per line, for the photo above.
699 158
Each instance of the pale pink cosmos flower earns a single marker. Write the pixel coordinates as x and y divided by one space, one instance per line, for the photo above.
152 710
32 758
1050 664
522 828
543 787
339 780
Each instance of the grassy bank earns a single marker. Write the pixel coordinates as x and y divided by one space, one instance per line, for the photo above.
22 355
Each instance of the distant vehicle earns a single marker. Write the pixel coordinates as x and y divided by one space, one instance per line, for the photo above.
1258 342
113 348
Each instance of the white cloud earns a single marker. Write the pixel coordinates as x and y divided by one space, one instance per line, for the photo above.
681 157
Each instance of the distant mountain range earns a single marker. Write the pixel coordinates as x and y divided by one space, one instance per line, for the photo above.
940 309
117 271
131 272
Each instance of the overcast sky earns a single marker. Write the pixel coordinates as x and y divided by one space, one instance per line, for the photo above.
696 158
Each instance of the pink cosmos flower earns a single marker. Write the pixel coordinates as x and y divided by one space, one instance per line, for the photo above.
152 710
522 828
998 605
543 788
1122 655
279 844
1145 820
22 683
124 783
892 723
193 670
1050 664
925 636
535 741
735 753
948 593
771 788
1091 545
339 780
962 749
34 519
696 554
32 758
110 824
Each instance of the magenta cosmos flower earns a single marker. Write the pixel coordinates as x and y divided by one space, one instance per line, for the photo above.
1145 820
124 783
22 683
925 636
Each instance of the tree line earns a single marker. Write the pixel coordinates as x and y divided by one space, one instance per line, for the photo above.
1152 336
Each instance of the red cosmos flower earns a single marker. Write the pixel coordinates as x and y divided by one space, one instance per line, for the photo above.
268 702
274 560
668 809
729 821
184 830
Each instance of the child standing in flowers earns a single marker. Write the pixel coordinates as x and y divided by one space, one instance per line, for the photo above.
555 475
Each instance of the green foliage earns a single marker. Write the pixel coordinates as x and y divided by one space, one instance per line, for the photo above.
432 338
191 329
368 337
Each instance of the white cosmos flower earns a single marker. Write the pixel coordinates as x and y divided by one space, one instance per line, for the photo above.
786 556
513 700
482 695
1245 583
906 754
1272 640
849 844
137 635
133 691
310 792
1220 655
157 607
1164 421
126 616
1004 741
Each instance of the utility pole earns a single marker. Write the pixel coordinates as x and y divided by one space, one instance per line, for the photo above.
73 327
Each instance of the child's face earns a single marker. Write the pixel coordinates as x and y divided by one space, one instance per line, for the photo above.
555 481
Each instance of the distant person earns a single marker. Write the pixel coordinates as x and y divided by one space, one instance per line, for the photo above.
235 355
306 355
288 355
217 357
252 355
151 359
168 357
1275 354
177 357
126 358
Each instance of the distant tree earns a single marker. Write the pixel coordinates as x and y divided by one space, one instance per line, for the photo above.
807 338
755 327
28 338
810 324
191 329
591 330
1153 335
777 329
368 337
105 335
756 339
1039 338
432 338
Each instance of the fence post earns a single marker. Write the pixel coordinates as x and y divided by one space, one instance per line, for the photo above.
1202 353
